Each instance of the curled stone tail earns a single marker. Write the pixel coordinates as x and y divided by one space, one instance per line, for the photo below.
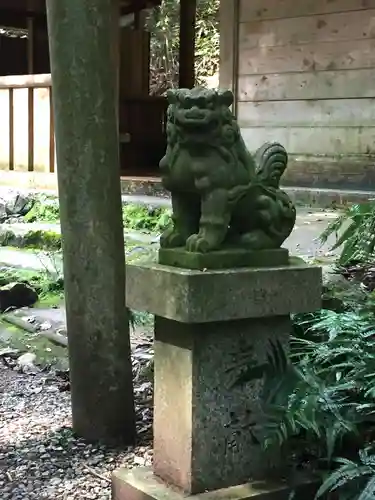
272 160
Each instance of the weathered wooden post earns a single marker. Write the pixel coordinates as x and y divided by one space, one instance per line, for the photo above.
186 77
84 78
222 294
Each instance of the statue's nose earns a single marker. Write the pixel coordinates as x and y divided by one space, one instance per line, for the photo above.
195 113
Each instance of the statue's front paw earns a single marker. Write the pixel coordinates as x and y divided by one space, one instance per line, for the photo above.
196 243
171 239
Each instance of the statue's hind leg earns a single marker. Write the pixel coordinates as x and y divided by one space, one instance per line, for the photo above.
257 240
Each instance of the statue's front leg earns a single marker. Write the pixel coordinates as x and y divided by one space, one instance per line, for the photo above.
185 220
213 224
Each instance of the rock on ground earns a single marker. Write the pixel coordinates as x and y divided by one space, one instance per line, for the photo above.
14 204
17 295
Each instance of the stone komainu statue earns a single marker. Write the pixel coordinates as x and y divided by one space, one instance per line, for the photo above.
222 196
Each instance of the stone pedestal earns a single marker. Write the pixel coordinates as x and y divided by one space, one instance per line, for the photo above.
209 327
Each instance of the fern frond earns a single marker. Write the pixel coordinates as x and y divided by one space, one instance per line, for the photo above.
333 227
354 232
347 473
368 493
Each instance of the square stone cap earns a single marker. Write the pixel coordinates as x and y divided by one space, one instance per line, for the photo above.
191 296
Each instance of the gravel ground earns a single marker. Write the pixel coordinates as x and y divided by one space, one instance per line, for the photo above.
40 458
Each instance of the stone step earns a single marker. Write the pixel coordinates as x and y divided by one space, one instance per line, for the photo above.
326 198
149 191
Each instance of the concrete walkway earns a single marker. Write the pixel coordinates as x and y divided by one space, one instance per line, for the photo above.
30 259
153 201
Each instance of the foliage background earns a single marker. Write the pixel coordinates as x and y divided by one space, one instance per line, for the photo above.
163 23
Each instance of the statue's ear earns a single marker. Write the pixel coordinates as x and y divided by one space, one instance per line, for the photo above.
172 96
226 97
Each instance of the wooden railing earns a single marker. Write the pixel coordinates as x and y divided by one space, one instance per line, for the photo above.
25 146
15 88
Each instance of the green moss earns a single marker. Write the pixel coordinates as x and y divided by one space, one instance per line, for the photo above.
43 240
144 218
50 299
46 352
38 239
137 217
44 209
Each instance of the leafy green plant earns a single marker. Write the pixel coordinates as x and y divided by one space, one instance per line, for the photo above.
276 372
340 363
319 402
354 479
163 23
355 233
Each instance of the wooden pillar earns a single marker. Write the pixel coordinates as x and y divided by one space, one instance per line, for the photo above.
30 45
81 37
116 54
229 47
188 10
30 103
134 62
37 46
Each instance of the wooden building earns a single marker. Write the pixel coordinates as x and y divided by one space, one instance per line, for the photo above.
27 133
303 72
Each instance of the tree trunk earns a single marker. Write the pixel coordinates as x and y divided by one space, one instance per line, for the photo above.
85 106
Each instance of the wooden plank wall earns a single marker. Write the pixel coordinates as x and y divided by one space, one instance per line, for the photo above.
134 62
306 75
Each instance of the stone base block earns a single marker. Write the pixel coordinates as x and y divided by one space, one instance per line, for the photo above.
208 424
211 328
142 484
223 259
193 296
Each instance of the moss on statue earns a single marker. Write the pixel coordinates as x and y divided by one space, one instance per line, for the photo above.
222 196
224 258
